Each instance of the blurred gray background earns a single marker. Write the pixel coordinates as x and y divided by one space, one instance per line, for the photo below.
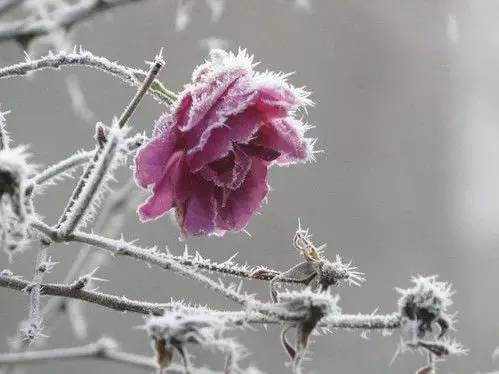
407 96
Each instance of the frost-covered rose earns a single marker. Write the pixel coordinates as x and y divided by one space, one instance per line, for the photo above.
209 158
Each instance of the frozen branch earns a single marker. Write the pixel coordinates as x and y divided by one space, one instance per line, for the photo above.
74 291
151 256
123 304
133 77
115 209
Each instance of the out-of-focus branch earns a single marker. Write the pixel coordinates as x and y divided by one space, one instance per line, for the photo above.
103 349
8 5
24 31
132 76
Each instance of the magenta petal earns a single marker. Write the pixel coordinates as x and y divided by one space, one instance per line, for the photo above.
182 112
151 159
206 95
247 200
239 128
199 211
228 172
267 154
165 190
233 100
283 135
276 99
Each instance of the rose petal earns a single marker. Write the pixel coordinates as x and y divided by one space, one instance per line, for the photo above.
151 159
245 201
164 192
283 135
199 211
230 171
276 98
239 128
207 114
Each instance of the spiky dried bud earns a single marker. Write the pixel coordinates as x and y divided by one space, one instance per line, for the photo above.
31 330
421 307
15 205
314 306
171 333
316 271
424 305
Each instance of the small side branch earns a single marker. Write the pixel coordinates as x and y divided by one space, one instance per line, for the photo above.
67 165
148 81
31 329
133 77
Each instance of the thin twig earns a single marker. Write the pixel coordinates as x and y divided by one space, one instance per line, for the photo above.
99 169
150 78
91 183
79 158
132 76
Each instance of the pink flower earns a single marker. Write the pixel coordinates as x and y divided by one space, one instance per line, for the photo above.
209 158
